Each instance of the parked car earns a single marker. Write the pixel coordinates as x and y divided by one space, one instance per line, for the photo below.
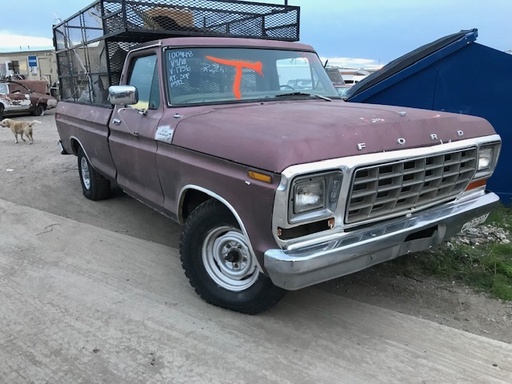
22 97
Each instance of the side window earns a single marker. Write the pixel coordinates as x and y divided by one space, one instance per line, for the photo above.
144 76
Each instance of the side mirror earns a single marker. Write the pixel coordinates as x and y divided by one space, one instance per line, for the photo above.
123 95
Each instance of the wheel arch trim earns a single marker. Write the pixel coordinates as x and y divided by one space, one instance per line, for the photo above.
222 200
75 151
83 150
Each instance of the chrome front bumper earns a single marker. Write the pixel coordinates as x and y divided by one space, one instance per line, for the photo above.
353 251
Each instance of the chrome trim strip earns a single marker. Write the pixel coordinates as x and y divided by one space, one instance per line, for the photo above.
71 138
350 252
187 187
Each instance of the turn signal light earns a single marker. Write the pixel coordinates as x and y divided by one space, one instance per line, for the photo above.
260 176
476 184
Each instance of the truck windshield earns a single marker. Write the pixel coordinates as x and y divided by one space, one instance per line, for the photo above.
220 75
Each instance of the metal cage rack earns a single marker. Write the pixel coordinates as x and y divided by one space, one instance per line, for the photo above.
92 44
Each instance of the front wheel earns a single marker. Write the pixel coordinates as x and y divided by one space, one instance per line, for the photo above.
94 185
219 264
39 110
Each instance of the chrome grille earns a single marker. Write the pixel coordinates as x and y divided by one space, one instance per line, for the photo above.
390 188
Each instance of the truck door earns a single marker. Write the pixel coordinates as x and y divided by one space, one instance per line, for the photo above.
132 133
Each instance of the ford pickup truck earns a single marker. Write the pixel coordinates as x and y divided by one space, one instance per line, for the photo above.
276 188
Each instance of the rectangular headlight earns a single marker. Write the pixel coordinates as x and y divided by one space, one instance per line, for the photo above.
315 196
308 195
485 158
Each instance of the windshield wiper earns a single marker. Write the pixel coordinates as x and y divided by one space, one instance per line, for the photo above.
303 94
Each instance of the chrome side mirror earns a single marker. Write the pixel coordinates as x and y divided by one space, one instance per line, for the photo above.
123 95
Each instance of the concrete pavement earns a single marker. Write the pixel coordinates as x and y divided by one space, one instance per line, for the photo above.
80 304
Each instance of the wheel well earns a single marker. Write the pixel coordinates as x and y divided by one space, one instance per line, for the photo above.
193 198
75 145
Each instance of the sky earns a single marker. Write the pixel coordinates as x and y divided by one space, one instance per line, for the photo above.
351 33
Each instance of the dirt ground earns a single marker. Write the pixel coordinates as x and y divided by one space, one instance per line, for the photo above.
39 177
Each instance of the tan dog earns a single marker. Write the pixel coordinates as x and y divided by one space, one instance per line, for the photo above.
20 127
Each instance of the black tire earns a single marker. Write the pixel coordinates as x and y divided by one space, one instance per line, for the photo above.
38 110
218 262
1 111
94 185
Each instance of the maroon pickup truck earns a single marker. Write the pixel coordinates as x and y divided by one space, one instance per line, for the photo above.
276 188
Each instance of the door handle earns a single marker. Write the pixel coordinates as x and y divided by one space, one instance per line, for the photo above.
116 121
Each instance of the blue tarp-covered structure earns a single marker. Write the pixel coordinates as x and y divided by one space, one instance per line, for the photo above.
452 74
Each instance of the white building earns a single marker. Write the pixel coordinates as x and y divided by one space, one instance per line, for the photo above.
32 65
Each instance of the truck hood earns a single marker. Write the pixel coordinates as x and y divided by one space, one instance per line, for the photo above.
275 135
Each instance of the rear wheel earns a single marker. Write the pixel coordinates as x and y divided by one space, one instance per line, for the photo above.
94 185
1 111
219 264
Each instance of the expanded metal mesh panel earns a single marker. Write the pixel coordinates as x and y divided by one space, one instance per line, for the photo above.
86 72
135 20
92 89
81 29
390 188
92 45
203 18
117 52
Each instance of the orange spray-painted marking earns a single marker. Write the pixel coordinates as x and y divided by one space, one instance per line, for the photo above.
239 65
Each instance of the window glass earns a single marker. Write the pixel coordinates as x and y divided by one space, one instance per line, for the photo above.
298 74
144 76
218 75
